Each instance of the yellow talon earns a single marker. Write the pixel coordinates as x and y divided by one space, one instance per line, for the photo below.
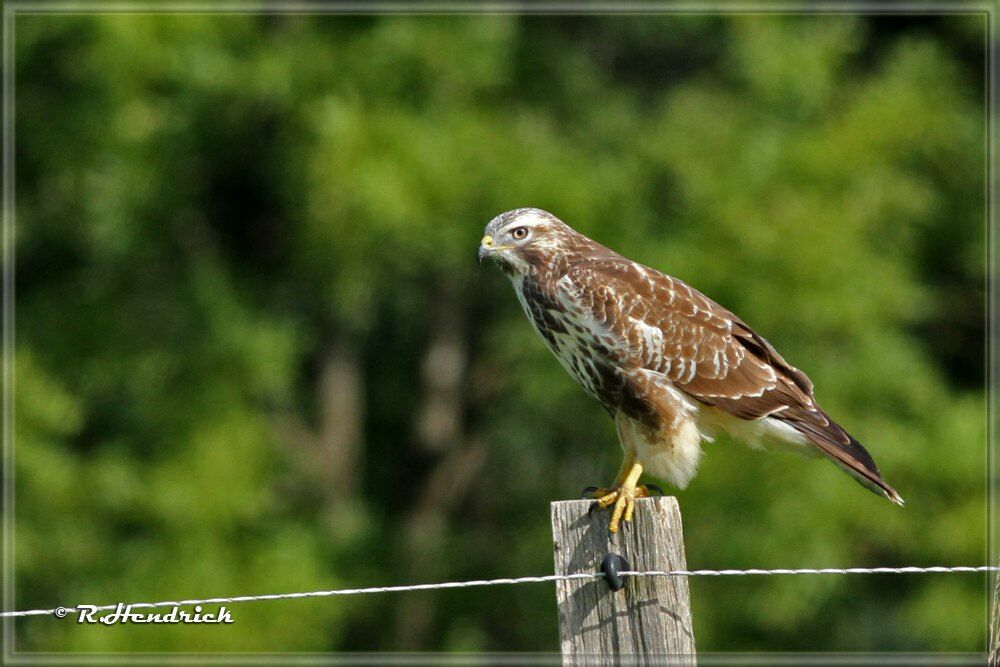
605 497
629 509
625 500
623 494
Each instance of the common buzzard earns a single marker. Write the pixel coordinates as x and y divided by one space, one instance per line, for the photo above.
671 366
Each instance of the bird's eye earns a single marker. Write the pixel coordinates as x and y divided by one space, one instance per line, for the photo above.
520 233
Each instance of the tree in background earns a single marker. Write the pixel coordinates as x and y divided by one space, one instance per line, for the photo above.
255 354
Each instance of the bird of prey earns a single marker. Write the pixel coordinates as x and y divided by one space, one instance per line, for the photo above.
670 366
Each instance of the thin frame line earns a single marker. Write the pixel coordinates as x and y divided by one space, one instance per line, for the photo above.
992 346
26 7
376 7
8 321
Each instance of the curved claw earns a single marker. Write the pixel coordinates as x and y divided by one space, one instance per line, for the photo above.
654 487
587 492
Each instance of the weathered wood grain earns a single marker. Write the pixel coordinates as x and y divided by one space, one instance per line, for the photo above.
650 619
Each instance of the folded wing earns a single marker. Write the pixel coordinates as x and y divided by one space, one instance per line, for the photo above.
658 324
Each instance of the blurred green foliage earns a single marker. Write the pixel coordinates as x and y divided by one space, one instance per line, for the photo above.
255 353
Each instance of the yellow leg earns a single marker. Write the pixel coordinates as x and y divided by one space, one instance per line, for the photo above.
623 471
624 492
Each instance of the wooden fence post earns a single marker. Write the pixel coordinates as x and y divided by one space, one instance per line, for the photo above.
650 615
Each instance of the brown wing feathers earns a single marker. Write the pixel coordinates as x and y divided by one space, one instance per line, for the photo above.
714 357
811 421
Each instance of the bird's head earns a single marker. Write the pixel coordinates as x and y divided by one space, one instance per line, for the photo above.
525 239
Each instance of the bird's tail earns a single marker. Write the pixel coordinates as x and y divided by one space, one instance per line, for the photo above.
843 449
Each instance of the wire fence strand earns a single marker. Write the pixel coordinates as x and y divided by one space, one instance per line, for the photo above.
63 611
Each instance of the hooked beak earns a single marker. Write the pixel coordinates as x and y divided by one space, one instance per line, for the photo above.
486 248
